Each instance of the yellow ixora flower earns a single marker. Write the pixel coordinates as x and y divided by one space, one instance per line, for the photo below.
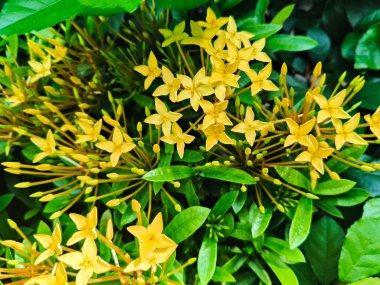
345 132
57 278
260 80
17 97
215 134
86 226
236 37
249 126
41 69
195 89
200 37
179 138
176 35
87 262
120 144
257 52
316 152
215 113
154 246
170 86
48 146
374 122
212 21
52 244
331 108
91 130
151 71
299 133
163 117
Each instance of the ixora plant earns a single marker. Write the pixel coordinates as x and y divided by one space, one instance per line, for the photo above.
187 160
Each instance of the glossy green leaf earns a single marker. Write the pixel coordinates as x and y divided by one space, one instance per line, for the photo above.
183 225
320 52
259 270
330 209
369 181
207 259
181 5
259 30
22 16
371 209
367 53
281 248
260 221
235 263
284 42
293 176
260 10
282 15
228 174
334 187
367 281
169 173
356 11
189 156
283 272
222 275
322 249
369 20
300 227
368 95
360 254
224 203
351 198
242 231
349 45
5 200
105 7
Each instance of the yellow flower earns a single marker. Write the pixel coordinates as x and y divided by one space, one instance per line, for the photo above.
217 48
241 56
163 117
260 81
345 132
298 133
257 52
119 145
46 145
59 51
87 262
374 122
195 89
249 126
315 154
52 244
170 87
200 37
179 138
151 71
154 246
60 277
216 133
331 108
236 37
86 226
41 69
215 113
176 35
17 97
212 21
92 131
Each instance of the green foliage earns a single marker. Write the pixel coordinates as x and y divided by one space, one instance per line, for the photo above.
301 223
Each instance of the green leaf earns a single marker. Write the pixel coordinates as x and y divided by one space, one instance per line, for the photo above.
368 95
371 209
106 7
222 275
328 208
300 227
284 42
189 156
320 52
367 281
334 187
5 200
356 11
242 232
181 5
352 198
293 176
281 248
353 152
260 221
260 10
228 174
369 20
366 180
280 269
367 53
282 15
224 203
235 263
186 223
259 270
349 45
21 16
360 254
259 30
322 249
169 173
207 259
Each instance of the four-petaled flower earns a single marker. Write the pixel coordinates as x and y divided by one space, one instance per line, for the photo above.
345 132
215 134
91 130
60 277
214 113
200 37
179 138
41 69
299 133
170 86
151 71
260 80
46 145
176 35
374 122
52 244
212 21
86 226
331 108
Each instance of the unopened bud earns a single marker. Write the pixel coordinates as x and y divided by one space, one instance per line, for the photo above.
284 69
311 196
243 188
262 209
113 175
156 148
277 182
367 168
12 224
139 127
23 185
176 184
136 207
334 175
317 69
178 208
113 203
56 215
280 208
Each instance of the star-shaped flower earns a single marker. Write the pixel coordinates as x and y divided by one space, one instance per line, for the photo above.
298 133
200 37
163 117
215 134
212 21
151 71
345 132
52 244
41 69
260 81
236 37
86 226
257 51
91 130
120 144
316 152
179 138
170 86
48 146
214 114
176 35
60 277
18 97
331 108
374 122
